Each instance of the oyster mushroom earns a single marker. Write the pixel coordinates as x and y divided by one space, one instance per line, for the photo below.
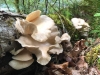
57 48
33 15
82 26
40 49
21 60
20 64
66 37
25 27
14 52
39 29
24 55
39 36
43 24
79 23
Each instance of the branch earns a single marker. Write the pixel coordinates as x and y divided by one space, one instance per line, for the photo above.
9 14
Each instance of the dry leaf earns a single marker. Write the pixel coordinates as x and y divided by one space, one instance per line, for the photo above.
81 63
79 46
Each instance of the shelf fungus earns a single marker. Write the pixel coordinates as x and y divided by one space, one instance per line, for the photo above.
21 60
81 26
40 36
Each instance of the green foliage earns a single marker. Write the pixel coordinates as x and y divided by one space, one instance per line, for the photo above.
98 63
92 55
97 15
67 9
95 29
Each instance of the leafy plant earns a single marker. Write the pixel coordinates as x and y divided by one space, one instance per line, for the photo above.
96 14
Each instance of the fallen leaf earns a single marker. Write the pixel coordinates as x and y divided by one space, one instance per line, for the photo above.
62 68
81 63
79 46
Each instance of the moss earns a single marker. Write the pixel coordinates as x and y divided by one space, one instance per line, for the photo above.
92 55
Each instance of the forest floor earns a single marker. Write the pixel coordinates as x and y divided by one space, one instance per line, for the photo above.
75 60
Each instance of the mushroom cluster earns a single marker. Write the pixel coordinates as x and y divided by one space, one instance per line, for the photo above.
81 26
40 36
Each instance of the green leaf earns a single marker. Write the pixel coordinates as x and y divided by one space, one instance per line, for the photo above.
95 31
96 14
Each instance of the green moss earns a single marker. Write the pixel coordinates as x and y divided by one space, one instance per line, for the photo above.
92 55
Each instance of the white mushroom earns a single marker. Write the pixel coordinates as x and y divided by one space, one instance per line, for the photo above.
24 55
25 27
65 36
40 33
43 24
22 59
40 49
82 26
20 64
79 23
43 57
39 28
55 49
14 52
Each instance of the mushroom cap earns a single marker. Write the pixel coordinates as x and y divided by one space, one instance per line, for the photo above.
38 48
79 23
33 15
43 57
25 27
55 49
54 38
16 52
28 41
20 64
43 24
65 36
24 55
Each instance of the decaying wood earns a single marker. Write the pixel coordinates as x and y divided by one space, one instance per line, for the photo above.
9 14
8 34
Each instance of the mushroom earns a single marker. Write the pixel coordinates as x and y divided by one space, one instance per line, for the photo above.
24 55
81 26
79 23
66 37
25 27
57 48
39 37
43 57
14 52
43 24
20 64
33 15
22 59
39 28
40 49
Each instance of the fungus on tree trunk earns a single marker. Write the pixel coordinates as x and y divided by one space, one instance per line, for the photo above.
40 36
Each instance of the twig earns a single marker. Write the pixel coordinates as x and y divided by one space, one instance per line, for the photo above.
46 6
59 15
54 3
6 5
